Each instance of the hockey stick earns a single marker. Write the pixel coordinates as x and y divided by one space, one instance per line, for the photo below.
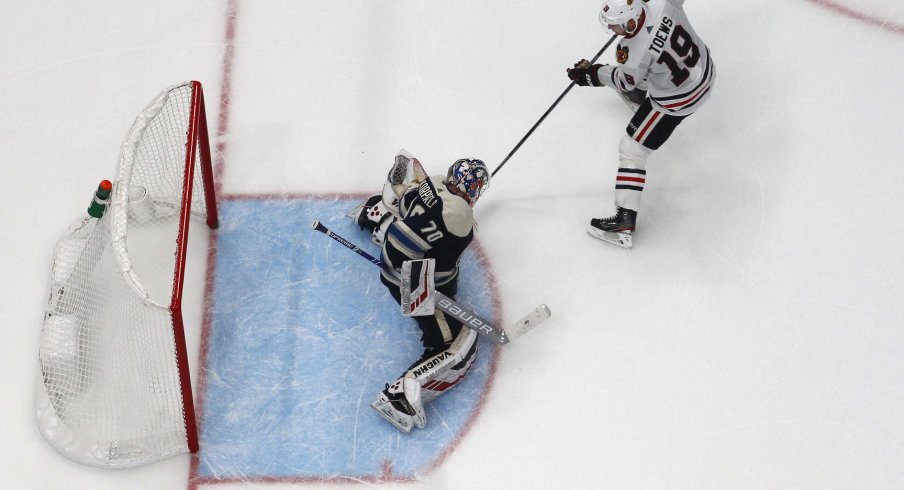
553 106
468 318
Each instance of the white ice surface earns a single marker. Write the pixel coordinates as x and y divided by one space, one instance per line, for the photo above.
751 339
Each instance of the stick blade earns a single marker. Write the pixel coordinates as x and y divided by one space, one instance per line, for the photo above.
528 322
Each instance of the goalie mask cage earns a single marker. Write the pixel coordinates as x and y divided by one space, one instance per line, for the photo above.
114 389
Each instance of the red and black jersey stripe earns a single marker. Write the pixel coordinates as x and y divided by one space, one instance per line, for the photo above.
689 98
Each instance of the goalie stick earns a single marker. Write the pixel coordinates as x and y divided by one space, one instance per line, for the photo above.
448 305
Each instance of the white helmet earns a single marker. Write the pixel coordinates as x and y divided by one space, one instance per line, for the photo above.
620 13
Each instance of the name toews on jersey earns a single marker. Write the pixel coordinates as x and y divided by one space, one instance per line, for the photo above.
666 58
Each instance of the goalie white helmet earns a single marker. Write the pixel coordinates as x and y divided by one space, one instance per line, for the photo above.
622 13
468 179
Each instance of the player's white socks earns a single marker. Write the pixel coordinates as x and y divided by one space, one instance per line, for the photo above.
632 174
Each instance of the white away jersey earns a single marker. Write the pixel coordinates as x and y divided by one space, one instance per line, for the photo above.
665 57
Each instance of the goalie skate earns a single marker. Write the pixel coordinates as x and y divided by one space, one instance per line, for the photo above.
400 404
399 418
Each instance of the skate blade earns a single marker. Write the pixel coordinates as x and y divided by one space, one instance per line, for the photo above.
386 411
618 238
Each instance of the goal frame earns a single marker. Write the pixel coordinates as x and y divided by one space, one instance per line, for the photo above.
197 138
171 131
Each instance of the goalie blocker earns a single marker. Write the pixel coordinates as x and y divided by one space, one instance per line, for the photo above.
419 298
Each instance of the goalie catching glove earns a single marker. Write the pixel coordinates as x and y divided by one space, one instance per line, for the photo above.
379 211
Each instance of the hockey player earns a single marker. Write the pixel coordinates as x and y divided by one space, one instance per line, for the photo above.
664 73
419 217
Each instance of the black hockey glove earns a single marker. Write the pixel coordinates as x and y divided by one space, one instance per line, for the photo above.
585 74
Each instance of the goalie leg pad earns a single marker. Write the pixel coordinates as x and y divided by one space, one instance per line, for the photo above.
412 389
402 402
417 287
446 369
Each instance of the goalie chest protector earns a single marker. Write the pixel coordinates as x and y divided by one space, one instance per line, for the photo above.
435 224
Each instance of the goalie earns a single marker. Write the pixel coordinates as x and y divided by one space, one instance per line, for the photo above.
423 225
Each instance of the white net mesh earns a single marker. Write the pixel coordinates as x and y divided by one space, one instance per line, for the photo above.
110 390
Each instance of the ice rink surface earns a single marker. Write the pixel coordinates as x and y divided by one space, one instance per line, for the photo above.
751 339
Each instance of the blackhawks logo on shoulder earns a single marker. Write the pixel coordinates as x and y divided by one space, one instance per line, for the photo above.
621 54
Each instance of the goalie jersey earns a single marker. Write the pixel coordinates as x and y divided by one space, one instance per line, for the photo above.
665 57
432 223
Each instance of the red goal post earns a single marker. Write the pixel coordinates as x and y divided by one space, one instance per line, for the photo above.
114 387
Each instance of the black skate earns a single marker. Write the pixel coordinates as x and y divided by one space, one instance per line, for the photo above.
616 229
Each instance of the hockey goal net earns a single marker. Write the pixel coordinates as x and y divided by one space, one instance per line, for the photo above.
114 388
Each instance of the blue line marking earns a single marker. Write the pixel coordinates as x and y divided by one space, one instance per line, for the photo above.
303 338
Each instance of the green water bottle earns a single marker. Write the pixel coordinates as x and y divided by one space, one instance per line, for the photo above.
101 199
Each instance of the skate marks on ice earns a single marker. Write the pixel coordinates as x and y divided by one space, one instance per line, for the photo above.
303 337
